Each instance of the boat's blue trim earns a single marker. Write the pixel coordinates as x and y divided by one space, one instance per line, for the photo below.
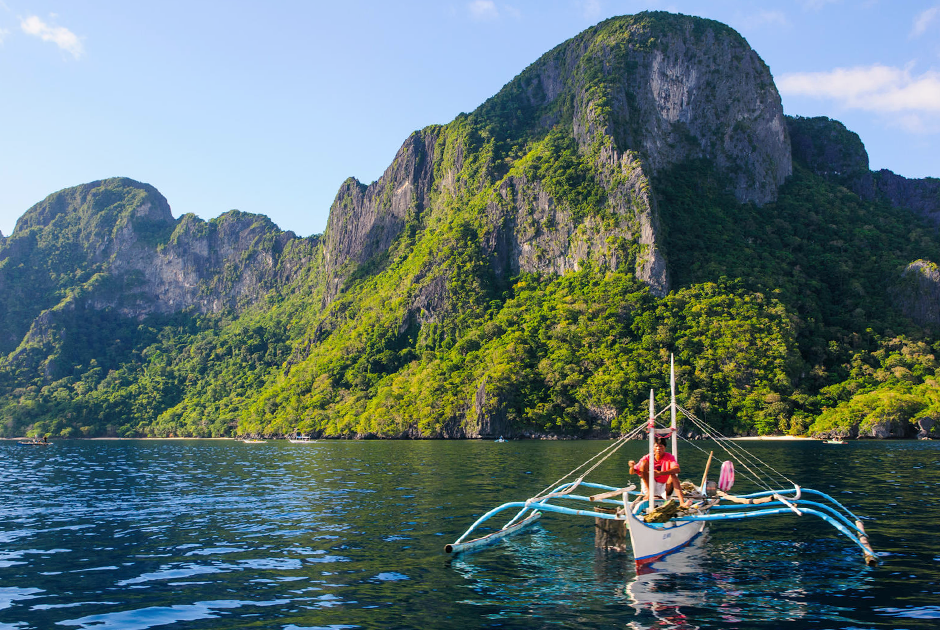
801 502
783 493
852 535
662 554
726 512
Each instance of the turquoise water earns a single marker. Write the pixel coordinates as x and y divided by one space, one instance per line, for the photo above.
220 534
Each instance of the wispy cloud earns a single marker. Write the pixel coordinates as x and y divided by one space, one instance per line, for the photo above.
590 9
58 35
483 10
923 21
875 88
817 5
913 100
765 18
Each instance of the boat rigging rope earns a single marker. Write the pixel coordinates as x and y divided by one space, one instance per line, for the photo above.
738 452
607 452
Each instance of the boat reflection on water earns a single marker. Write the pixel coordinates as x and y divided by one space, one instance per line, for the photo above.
721 579
658 590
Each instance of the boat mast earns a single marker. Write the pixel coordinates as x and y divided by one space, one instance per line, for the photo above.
651 464
672 388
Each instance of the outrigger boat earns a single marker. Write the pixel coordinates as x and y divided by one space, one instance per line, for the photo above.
679 525
300 438
35 442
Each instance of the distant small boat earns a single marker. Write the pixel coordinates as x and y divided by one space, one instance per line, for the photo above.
253 441
836 441
300 438
35 442
500 440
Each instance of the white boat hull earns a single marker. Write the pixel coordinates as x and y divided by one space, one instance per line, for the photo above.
651 542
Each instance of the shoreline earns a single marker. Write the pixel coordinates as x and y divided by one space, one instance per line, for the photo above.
774 438
768 438
754 438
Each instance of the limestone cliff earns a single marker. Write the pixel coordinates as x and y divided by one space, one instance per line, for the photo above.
637 94
828 149
918 292
114 246
365 220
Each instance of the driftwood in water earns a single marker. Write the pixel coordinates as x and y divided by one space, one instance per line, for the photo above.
663 513
608 533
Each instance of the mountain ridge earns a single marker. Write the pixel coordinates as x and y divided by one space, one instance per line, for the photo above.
519 271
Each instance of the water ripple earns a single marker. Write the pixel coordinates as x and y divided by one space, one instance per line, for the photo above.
213 534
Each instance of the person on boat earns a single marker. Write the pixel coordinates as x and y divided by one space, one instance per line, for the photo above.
665 468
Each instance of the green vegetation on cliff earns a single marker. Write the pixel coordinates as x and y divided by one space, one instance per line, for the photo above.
512 299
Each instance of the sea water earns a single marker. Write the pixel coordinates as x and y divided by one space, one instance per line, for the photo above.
173 534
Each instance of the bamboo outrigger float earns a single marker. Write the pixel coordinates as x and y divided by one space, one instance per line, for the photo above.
711 502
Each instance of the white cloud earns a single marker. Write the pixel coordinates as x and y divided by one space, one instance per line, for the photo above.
3 33
817 5
923 20
513 12
59 35
917 124
881 89
483 10
591 9
762 18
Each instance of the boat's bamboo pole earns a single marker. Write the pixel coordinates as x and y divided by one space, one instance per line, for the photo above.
650 462
870 558
672 404
705 474
612 493
744 500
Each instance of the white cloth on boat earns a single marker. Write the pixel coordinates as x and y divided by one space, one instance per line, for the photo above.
659 489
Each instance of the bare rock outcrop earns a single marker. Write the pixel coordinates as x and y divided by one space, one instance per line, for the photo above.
828 149
113 246
921 196
918 292
639 94
365 220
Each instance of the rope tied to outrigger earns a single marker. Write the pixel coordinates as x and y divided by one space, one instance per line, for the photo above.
604 455
741 455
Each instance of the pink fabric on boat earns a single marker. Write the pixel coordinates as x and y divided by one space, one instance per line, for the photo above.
726 478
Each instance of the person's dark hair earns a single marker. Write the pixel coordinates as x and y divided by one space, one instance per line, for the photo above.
661 441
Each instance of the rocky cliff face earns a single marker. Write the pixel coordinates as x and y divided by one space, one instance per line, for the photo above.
922 196
918 292
114 246
365 220
697 90
828 149
638 94
125 230
227 263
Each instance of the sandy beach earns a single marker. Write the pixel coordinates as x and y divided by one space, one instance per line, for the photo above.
776 438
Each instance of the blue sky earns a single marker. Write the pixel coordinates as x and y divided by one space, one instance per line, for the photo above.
268 107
